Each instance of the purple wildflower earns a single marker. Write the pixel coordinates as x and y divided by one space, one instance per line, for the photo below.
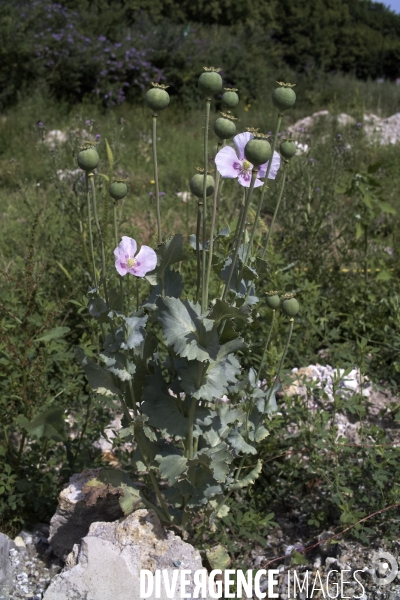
126 262
40 124
98 136
232 165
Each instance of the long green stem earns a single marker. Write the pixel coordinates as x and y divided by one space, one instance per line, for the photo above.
97 222
281 361
143 446
211 248
203 281
240 216
189 439
155 485
276 208
121 289
242 226
198 226
266 345
261 201
158 212
115 224
90 230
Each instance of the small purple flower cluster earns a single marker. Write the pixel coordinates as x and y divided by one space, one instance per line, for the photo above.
78 63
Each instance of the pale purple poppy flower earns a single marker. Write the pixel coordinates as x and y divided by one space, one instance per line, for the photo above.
232 165
127 262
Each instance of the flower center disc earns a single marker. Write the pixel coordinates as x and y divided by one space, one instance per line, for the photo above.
130 263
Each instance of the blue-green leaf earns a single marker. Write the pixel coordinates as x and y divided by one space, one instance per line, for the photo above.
191 336
172 467
117 365
101 380
135 332
215 377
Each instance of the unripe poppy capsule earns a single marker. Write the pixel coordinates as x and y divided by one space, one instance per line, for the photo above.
197 182
257 151
272 300
210 83
157 99
88 159
287 149
283 98
224 128
230 99
118 190
290 307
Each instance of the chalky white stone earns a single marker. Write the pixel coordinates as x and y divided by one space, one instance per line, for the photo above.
108 563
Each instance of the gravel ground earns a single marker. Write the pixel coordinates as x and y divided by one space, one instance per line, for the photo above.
323 556
35 565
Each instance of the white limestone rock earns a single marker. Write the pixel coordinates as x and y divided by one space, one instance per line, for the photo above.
111 555
73 517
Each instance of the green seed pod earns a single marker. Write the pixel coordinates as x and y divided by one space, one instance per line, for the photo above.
224 128
88 159
118 190
283 98
272 300
257 151
157 98
230 98
196 185
287 149
210 83
290 306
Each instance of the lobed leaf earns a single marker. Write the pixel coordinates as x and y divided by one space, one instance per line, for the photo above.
191 336
101 380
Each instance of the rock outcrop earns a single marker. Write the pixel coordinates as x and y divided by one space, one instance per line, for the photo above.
383 131
73 517
108 562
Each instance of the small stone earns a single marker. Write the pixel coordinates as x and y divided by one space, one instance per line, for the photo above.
19 542
317 563
27 537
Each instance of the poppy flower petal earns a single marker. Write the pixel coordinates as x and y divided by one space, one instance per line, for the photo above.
227 162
